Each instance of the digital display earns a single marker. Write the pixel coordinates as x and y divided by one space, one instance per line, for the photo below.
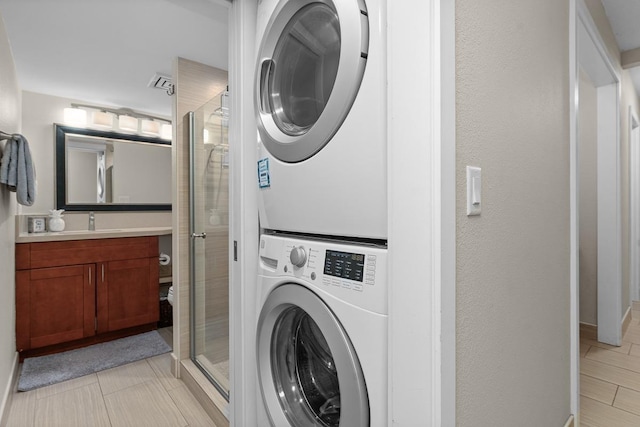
344 265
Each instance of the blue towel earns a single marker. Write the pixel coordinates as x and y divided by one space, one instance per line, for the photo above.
17 170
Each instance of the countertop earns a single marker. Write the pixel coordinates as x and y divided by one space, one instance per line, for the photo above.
86 234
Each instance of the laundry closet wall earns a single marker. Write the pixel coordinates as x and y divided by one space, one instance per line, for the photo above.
513 293
10 121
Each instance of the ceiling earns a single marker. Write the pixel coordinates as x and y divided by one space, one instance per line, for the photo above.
624 16
106 52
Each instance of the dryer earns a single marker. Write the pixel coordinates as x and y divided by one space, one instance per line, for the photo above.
321 337
320 102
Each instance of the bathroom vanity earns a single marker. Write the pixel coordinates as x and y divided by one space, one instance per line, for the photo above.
71 293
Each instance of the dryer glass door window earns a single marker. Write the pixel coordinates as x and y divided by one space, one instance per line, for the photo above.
311 62
303 69
304 371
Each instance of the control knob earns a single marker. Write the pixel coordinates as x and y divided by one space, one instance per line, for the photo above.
298 256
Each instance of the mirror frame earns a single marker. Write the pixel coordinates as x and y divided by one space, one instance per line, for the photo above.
61 132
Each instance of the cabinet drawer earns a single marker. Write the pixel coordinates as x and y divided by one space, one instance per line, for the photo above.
75 252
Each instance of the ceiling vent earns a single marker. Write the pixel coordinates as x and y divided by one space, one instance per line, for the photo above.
162 81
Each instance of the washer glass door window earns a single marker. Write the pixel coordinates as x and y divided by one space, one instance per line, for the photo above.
311 63
312 376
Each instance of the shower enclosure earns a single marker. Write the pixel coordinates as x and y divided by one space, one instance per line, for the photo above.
209 231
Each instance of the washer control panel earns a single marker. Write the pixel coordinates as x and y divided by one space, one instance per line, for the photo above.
350 270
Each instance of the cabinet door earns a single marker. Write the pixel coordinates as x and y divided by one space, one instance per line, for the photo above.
54 305
127 294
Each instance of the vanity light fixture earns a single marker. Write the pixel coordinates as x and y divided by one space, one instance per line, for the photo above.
101 119
123 120
75 117
149 127
128 124
166 131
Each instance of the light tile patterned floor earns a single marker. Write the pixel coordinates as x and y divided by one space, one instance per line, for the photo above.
610 380
139 394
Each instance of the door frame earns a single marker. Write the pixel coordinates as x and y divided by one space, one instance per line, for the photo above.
634 204
424 274
587 50
594 59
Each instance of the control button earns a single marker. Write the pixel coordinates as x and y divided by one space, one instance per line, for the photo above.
370 277
335 282
369 282
371 268
358 288
313 275
326 281
346 284
298 256
371 258
286 269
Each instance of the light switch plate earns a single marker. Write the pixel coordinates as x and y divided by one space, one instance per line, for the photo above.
474 190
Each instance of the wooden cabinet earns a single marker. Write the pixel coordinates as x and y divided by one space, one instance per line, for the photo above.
84 291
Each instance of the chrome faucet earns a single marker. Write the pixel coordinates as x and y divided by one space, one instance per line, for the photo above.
92 222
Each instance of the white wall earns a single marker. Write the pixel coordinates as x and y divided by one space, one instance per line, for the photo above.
141 173
39 113
513 261
9 122
588 199
82 176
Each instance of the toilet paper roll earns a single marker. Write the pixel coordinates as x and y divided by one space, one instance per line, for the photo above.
170 295
165 259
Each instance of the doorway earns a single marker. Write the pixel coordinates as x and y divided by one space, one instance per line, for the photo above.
634 204
599 181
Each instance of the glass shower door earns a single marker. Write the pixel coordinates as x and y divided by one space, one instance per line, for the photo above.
209 230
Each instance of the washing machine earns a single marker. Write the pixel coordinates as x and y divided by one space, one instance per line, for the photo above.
321 335
320 102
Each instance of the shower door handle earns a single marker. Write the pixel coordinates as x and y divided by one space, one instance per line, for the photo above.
200 235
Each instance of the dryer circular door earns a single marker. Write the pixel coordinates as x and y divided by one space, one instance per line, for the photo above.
308 370
310 65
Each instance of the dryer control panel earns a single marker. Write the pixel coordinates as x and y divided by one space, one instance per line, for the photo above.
349 271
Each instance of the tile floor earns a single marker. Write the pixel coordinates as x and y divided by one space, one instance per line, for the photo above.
610 379
139 394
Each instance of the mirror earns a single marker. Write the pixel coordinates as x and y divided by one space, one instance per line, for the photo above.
107 171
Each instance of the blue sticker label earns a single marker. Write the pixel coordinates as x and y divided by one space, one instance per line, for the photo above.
264 178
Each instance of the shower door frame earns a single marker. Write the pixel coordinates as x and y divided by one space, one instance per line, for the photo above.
193 235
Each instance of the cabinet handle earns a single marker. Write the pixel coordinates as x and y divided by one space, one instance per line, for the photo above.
89 275
102 273
199 235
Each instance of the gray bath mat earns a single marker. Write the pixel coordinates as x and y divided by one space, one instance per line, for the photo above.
46 370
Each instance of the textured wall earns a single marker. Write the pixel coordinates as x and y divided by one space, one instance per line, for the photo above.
588 200
9 122
512 119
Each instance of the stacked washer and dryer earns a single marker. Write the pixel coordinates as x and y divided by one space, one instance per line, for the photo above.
320 95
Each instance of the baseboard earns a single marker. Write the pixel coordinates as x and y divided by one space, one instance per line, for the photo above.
589 331
7 398
175 365
569 422
626 320
210 399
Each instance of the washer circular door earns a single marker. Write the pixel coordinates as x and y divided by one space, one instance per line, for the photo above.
308 371
310 66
